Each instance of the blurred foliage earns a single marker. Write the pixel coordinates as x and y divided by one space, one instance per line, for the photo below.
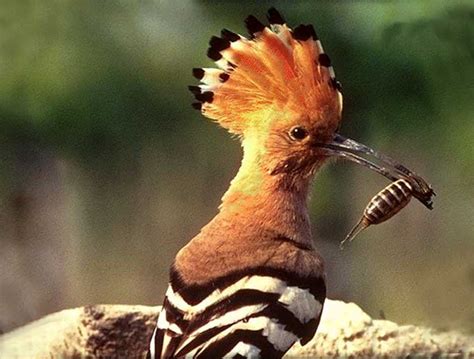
100 87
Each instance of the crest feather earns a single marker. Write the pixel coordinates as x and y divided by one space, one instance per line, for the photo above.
276 69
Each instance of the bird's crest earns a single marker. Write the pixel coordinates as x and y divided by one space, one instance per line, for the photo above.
278 69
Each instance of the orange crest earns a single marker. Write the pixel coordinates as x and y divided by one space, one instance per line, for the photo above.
278 69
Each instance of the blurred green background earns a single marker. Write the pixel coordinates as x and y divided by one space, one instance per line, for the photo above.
106 170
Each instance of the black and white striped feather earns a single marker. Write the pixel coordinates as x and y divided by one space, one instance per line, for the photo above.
256 312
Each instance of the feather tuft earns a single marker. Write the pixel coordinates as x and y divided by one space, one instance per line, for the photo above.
278 71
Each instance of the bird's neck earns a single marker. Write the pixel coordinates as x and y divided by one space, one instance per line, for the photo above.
260 201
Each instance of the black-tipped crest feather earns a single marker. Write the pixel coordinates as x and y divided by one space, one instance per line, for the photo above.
229 35
219 44
194 89
198 73
224 77
213 54
274 17
324 60
304 32
206 96
253 25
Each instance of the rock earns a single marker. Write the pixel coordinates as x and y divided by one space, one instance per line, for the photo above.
108 331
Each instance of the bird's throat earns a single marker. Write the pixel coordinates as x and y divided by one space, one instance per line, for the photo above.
256 197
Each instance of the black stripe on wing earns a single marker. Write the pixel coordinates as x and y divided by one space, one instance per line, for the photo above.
201 339
281 315
174 315
241 298
221 347
158 344
171 348
193 294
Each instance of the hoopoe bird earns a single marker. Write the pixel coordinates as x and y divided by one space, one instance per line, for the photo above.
252 283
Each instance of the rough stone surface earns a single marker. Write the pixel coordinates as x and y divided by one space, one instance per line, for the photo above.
347 331
98 331
123 331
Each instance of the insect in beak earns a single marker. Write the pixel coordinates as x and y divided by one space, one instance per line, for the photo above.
351 150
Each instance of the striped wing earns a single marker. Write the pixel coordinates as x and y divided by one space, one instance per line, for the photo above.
261 314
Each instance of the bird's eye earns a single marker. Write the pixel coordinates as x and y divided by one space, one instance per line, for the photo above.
298 133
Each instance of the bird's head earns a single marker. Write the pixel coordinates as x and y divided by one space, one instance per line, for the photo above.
276 91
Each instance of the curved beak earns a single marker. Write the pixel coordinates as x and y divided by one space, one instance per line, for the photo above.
351 150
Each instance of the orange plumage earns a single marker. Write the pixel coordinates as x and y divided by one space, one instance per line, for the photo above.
279 69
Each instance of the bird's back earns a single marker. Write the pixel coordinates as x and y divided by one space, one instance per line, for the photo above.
218 306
